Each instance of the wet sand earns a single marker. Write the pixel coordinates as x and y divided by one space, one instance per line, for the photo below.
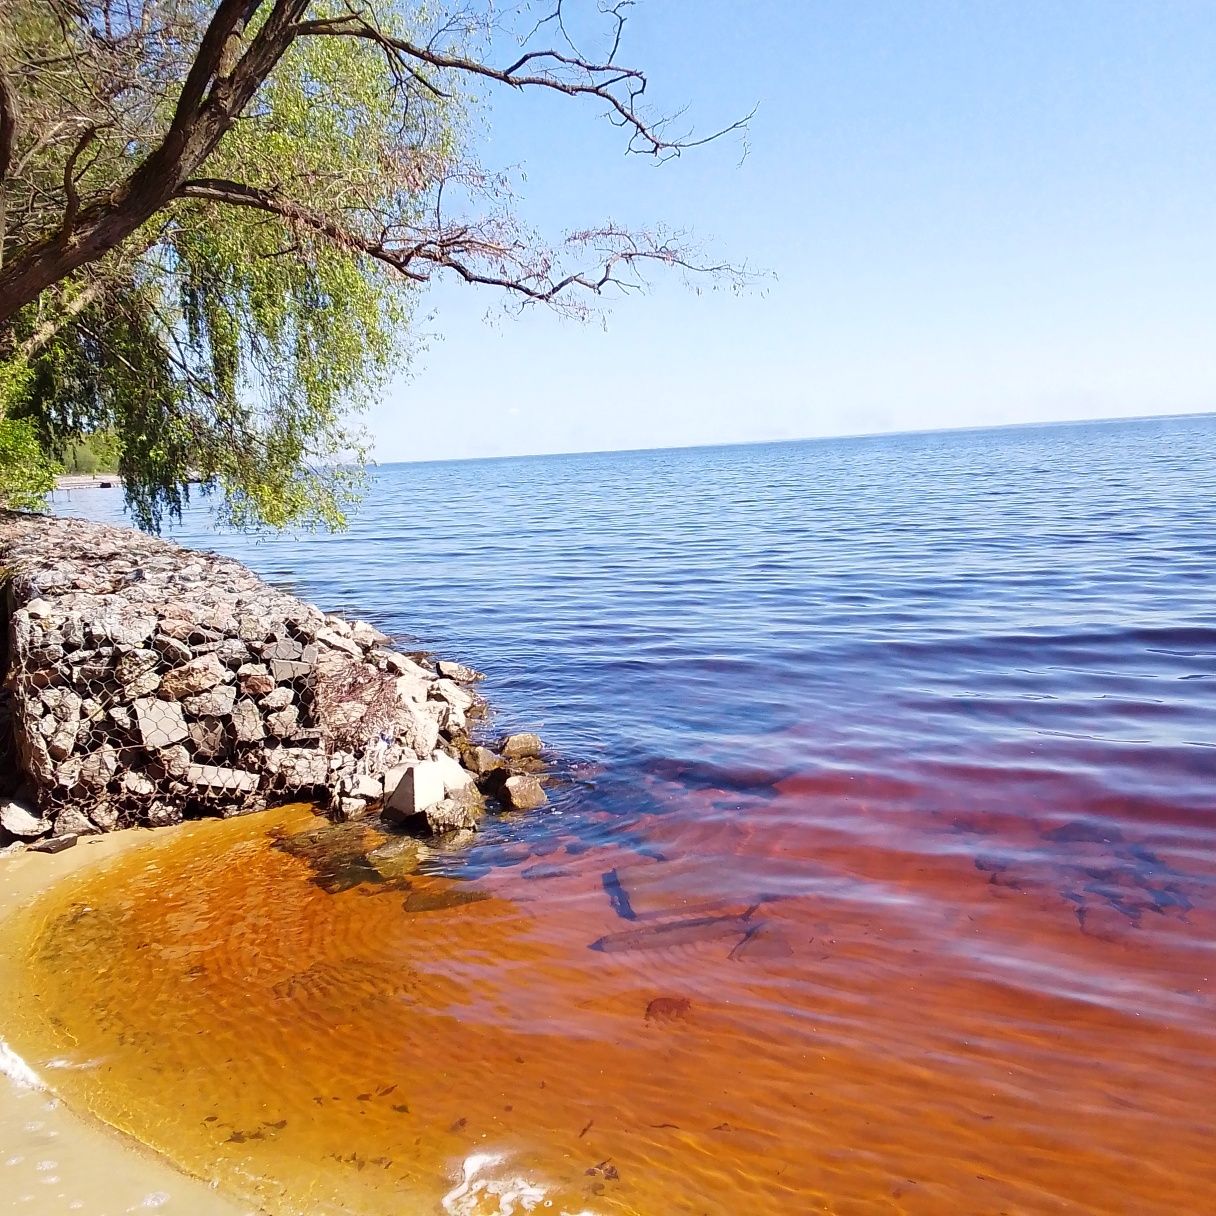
54 1159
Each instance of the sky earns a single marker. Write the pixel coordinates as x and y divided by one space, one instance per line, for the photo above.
968 214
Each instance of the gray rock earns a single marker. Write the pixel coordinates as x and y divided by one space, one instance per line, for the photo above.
63 703
522 746
104 816
63 741
277 698
247 722
192 678
455 778
21 822
285 648
363 785
482 760
162 814
215 703
523 793
175 761
336 641
214 780
209 738
138 785
160 723
232 652
452 815
420 787
398 858
452 721
137 672
411 688
453 694
367 636
403 665
417 727
173 652
297 767
351 808
283 722
285 671
71 821
55 844
99 768
458 672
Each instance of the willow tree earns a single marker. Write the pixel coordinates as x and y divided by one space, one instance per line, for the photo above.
215 219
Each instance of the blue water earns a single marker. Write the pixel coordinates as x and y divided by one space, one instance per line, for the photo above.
1035 598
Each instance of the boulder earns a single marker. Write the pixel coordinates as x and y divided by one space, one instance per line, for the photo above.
412 688
20 821
482 761
209 738
191 678
403 665
455 778
286 671
99 768
458 672
214 780
297 767
283 649
276 699
54 844
420 787
453 694
214 703
523 793
72 821
417 727
336 641
453 815
247 722
522 746
137 673
283 722
160 723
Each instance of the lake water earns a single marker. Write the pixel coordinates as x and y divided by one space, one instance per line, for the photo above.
880 875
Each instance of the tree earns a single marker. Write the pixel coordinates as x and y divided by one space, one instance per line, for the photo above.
215 218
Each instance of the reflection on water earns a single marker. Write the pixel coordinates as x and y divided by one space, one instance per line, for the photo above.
883 880
734 1018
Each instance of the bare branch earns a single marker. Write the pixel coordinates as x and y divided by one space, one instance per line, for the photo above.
567 74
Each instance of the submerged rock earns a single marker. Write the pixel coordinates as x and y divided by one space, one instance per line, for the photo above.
523 793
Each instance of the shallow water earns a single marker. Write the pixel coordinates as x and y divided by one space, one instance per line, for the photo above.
882 876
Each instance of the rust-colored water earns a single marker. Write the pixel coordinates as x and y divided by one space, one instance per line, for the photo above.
910 1034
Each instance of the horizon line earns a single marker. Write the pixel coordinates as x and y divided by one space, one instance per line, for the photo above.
751 443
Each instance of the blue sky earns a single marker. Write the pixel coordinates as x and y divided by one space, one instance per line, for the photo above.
976 213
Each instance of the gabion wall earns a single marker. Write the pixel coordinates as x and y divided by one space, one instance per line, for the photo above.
144 682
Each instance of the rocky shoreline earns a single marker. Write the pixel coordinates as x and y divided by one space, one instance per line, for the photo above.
144 683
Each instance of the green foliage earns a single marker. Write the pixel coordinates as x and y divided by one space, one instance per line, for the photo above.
27 474
98 452
235 348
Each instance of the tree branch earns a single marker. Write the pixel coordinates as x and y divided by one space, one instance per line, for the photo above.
589 79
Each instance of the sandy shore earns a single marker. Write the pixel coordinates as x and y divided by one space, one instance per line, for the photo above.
57 1160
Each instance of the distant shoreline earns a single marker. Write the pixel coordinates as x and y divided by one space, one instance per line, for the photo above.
87 481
